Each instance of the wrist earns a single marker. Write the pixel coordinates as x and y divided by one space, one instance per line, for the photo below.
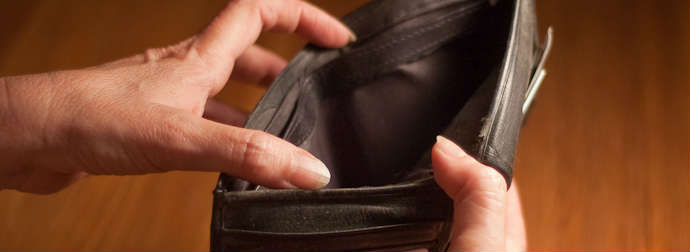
32 122
21 140
6 121
4 100
9 158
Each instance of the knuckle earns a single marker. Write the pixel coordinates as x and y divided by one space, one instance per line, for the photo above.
487 191
154 54
244 2
491 178
267 13
203 77
257 161
488 200
251 6
184 50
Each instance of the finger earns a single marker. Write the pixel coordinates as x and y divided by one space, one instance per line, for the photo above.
219 112
478 194
516 238
238 26
182 141
258 65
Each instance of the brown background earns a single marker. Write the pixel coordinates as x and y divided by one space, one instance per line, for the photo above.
602 162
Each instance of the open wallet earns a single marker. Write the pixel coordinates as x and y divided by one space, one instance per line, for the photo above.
371 111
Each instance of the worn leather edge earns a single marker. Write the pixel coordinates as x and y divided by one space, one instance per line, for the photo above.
282 200
514 77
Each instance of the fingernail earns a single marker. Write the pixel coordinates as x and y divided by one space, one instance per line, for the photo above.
352 36
448 147
314 173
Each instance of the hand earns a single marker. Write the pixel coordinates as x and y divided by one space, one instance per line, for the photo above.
486 217
143 114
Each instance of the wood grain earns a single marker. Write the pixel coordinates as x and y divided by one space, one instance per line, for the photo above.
602 162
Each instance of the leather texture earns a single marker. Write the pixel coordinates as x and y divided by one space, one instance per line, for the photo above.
371 111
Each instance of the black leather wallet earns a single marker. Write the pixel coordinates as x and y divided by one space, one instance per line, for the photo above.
371 111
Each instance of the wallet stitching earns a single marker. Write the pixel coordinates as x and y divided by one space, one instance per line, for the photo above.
400 17
403 58
374 50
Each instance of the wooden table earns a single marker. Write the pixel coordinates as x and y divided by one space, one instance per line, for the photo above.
602 162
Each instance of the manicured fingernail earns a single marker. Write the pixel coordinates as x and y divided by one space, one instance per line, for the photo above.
314 173
448 147
352 36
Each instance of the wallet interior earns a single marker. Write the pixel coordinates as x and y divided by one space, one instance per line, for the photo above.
372 113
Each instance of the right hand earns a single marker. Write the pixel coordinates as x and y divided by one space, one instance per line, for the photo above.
486 216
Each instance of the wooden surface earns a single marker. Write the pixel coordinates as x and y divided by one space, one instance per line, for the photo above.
602 162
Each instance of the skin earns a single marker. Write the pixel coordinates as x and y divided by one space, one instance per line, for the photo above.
486 216
143 114
155 112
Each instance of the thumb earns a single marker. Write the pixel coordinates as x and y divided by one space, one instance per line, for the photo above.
478 193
